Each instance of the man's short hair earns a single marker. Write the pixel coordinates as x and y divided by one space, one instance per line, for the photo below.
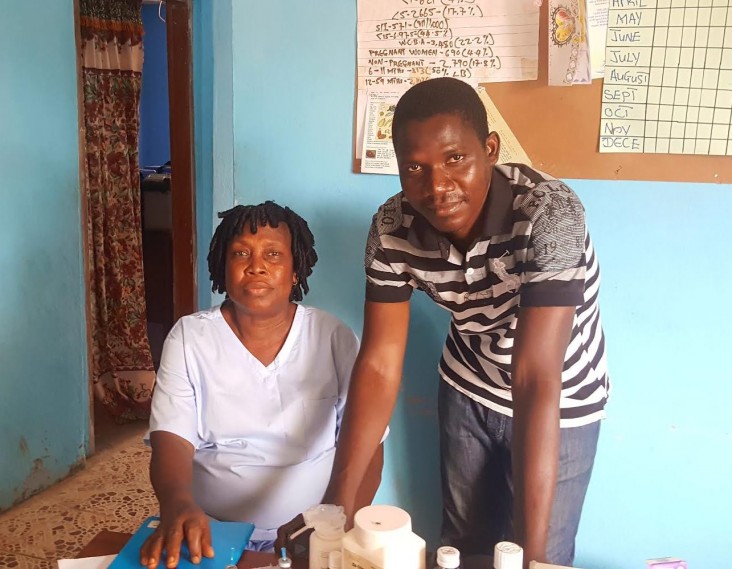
443 95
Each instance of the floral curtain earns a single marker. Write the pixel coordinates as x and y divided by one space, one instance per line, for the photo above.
111 52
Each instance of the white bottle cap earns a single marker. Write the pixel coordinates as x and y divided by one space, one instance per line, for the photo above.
508 555
448 557
334 559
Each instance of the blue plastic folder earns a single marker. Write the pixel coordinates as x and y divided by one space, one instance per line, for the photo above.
229 539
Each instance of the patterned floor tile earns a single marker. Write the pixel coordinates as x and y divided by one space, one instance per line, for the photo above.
112 493
53 534
13 561
119 488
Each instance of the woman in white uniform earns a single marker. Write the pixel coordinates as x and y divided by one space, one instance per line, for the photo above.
250 394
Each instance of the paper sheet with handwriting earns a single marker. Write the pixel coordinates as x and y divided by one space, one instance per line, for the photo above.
668 77
403 42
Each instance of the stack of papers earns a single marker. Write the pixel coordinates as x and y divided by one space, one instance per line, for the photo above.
101 562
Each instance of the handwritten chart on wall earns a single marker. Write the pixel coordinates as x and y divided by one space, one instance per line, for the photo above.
403 42
668 78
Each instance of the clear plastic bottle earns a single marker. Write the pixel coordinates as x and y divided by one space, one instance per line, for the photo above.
507 555
328 523
447 558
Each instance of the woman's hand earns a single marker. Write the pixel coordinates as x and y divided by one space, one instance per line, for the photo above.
182 521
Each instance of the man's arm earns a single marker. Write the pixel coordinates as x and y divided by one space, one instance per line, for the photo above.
171 473
371 480
542 337
372 394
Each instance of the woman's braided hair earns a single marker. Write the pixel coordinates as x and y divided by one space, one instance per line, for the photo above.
233 222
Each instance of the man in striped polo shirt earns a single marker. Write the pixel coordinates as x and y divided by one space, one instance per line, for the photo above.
524 381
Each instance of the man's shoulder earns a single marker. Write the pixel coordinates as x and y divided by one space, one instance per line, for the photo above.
390 215
524 178
539 195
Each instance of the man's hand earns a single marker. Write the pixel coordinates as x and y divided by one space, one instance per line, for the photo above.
298 545
364 497
184 521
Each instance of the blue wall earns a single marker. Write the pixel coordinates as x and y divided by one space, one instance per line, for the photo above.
154 122
662 479
43 376
214 108
664 460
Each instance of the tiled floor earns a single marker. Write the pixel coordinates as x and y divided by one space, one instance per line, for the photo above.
113 492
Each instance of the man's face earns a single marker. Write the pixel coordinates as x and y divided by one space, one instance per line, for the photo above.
445 171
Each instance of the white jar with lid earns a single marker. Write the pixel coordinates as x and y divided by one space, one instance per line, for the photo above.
382 538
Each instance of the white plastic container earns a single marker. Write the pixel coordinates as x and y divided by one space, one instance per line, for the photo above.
382 538
328 523
507 555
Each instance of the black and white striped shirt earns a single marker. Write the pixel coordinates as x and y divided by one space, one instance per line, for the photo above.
534 250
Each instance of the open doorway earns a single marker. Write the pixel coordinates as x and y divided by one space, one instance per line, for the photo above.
167 204
155 177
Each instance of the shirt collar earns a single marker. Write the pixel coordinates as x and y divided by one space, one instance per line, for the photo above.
495 219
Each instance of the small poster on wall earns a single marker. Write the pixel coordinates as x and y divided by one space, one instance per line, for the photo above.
378 155
378 149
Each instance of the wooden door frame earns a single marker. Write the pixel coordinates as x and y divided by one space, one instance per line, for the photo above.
84 205
178 17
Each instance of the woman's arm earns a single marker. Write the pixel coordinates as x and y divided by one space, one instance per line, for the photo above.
171 470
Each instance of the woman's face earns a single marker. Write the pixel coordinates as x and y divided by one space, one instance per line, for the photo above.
260 270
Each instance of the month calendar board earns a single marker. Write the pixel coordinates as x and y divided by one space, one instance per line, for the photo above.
668 77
